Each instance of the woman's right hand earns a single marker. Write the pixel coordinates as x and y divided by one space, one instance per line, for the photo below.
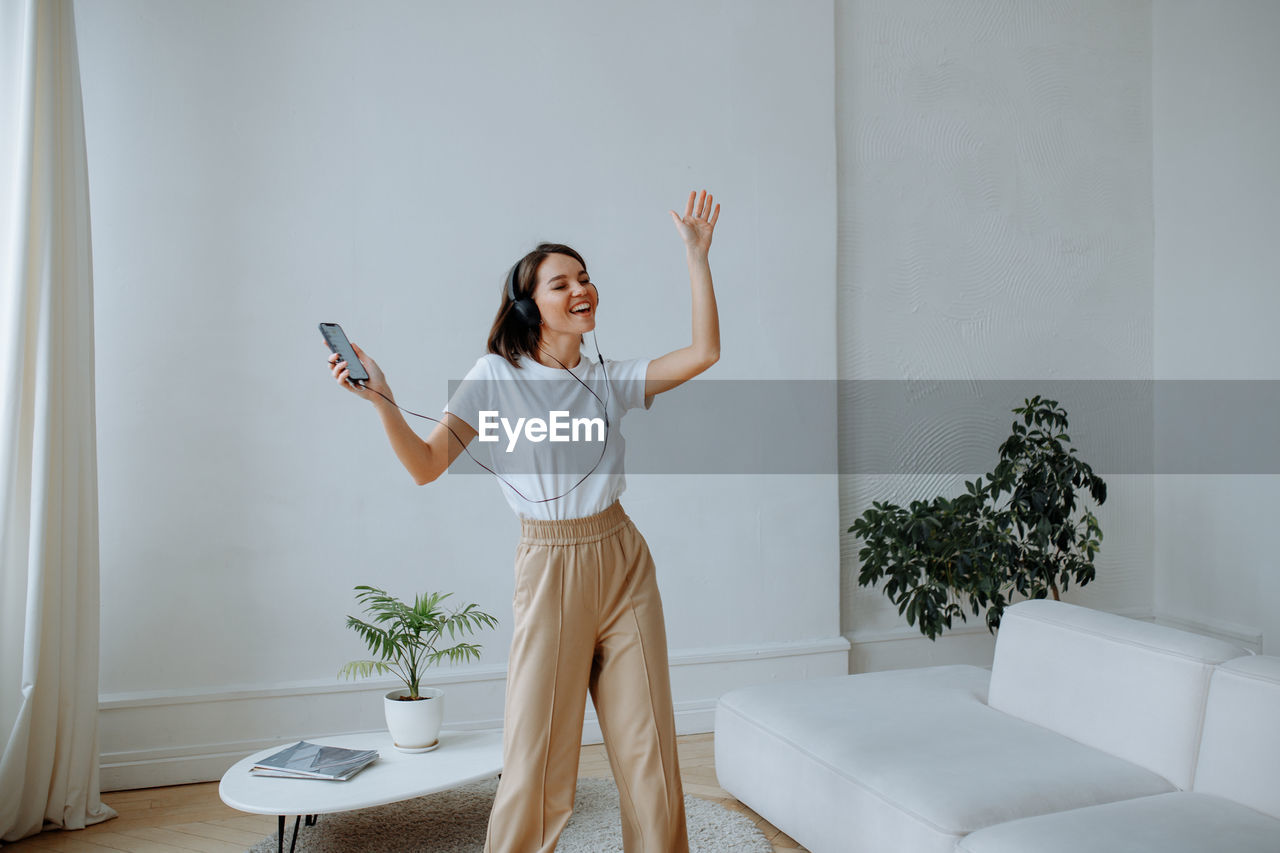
376 381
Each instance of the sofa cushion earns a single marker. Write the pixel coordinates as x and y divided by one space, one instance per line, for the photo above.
902 760
1133 689
1240 749
1170 823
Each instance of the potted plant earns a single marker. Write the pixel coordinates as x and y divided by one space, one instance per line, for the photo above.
938 556
405 648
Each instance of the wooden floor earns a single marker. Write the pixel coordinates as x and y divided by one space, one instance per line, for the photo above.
192 818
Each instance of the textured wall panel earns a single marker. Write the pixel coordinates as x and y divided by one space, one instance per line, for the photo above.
995 223
1217 183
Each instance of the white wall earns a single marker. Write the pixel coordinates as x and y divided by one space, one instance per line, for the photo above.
257 168
995 224
1217 190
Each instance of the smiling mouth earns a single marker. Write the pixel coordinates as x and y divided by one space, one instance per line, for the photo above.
582 310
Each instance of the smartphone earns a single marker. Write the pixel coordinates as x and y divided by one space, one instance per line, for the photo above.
337 341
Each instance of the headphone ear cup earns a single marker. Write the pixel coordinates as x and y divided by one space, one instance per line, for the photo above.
527 311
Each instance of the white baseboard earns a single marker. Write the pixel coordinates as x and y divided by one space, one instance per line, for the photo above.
160 738
908 632
907 648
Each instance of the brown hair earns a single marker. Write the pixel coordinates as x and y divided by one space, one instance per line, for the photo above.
510 337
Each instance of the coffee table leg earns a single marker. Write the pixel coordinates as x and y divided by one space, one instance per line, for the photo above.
280 832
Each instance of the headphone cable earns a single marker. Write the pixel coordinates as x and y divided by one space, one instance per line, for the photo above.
604 406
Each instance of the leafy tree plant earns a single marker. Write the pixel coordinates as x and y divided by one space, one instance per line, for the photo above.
1053 543
408 645
938 557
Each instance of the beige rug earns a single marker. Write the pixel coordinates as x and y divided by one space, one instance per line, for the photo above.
455 822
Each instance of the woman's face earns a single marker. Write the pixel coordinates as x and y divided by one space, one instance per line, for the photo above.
565 296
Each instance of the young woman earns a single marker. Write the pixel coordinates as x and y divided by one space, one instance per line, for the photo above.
587 614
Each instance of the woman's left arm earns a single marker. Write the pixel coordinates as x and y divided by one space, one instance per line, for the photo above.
679 366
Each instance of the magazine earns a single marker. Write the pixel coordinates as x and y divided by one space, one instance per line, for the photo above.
312 761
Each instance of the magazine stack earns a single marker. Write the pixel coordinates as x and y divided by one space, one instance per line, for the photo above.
312 761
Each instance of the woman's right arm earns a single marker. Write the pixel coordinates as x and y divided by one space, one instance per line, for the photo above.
424 460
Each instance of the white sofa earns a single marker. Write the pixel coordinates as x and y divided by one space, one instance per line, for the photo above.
1091 732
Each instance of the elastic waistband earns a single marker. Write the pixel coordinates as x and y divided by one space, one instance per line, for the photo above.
570 531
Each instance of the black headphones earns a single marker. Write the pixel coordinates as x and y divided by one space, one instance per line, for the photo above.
526 309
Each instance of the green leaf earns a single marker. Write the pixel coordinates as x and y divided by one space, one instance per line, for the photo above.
408 642
1021 532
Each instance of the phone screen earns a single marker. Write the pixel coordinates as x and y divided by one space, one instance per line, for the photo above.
337 341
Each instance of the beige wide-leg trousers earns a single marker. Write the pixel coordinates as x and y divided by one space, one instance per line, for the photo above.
587 617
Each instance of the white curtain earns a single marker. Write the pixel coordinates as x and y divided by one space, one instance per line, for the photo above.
49 772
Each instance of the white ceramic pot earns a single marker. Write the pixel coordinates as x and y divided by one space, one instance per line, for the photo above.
415 724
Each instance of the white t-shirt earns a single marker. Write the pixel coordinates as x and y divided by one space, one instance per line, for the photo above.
544 460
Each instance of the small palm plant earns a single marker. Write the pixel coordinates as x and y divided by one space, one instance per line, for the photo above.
403 649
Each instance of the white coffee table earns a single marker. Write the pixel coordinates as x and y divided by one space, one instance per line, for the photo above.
462 757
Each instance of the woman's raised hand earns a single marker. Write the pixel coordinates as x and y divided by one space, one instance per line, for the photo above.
376 381
695 226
